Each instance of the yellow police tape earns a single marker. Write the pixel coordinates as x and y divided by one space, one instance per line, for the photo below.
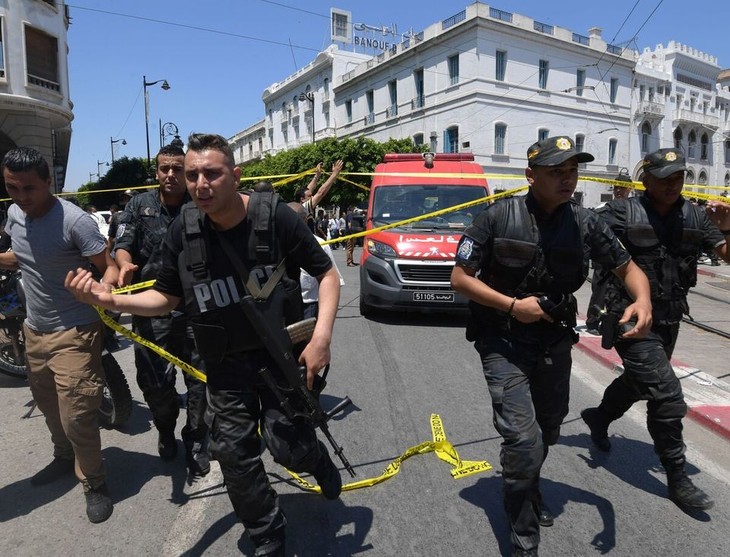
444 450
186 367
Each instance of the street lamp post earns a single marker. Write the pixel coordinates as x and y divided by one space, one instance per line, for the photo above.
99 164
167 129
165 86
112 141
309 96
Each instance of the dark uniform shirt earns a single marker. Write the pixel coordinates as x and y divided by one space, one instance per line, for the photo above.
596 241
296 243
665 227
141 231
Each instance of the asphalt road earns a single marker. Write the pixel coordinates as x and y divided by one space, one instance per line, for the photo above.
398 370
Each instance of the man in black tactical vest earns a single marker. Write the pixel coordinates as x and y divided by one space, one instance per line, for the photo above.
138 253
665 235
212 283
532 252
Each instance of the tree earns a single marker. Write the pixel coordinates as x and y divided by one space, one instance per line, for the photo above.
124 173
359 155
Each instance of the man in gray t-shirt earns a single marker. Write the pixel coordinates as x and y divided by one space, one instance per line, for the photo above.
63 337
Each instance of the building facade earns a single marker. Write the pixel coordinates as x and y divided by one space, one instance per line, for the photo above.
682 99
491 82
35 107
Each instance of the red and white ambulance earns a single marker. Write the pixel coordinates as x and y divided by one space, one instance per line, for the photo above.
409 266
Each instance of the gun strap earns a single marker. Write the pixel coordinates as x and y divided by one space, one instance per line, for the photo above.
253 288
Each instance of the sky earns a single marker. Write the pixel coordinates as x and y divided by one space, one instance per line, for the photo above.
218 56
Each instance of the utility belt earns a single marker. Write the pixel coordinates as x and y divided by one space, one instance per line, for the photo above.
561 308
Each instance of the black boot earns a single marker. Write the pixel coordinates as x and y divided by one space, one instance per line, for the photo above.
597 422
685 494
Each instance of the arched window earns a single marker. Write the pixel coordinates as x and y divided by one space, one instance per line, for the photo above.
692 145
702 179
678 138
704 141
580 142
645 135
612 144
690 177
727 178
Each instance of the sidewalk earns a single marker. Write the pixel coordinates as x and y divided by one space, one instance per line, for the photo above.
708 398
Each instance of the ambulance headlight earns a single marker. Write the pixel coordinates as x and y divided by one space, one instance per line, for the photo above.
380 249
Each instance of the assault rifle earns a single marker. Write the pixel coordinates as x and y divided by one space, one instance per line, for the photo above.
295 398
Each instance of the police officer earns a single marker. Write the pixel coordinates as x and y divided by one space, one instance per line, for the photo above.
664 234
532 252
240 402
138 252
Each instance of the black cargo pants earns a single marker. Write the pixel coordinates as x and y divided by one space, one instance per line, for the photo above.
234 416
649 376
156 376
529 385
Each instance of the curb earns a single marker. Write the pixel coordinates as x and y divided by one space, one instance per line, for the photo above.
711 411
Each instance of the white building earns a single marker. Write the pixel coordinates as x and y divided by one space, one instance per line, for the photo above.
682 99
35 108
492 83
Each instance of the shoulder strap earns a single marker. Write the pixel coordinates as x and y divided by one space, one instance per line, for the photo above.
262 213
195 254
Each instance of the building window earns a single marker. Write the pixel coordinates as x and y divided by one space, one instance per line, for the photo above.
580 82
642 89
692 145
702 180
678 139
543 74
645 137
727 153
453 69
393 96
418 101
370 99
614 89
500 61
690 177
727 178
418 139
580 142
41 52
2 51
612 144
348 111
543 133
451 140
500 139
704 141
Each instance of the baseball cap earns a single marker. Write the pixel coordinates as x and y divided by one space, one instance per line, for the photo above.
554 151
130 193
664 162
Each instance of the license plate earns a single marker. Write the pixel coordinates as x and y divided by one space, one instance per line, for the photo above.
446 297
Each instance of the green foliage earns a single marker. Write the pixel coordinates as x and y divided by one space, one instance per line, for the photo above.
359 155
123 174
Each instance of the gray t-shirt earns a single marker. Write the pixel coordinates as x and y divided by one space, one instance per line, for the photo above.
47 248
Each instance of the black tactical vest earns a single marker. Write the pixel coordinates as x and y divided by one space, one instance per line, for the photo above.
212 303
670 266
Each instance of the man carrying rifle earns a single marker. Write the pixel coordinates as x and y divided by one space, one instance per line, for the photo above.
229 235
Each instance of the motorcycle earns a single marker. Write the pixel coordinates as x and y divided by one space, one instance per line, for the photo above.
116 403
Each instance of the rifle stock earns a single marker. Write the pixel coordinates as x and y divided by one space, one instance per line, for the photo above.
295 399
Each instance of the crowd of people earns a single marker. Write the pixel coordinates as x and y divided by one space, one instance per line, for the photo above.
207 245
